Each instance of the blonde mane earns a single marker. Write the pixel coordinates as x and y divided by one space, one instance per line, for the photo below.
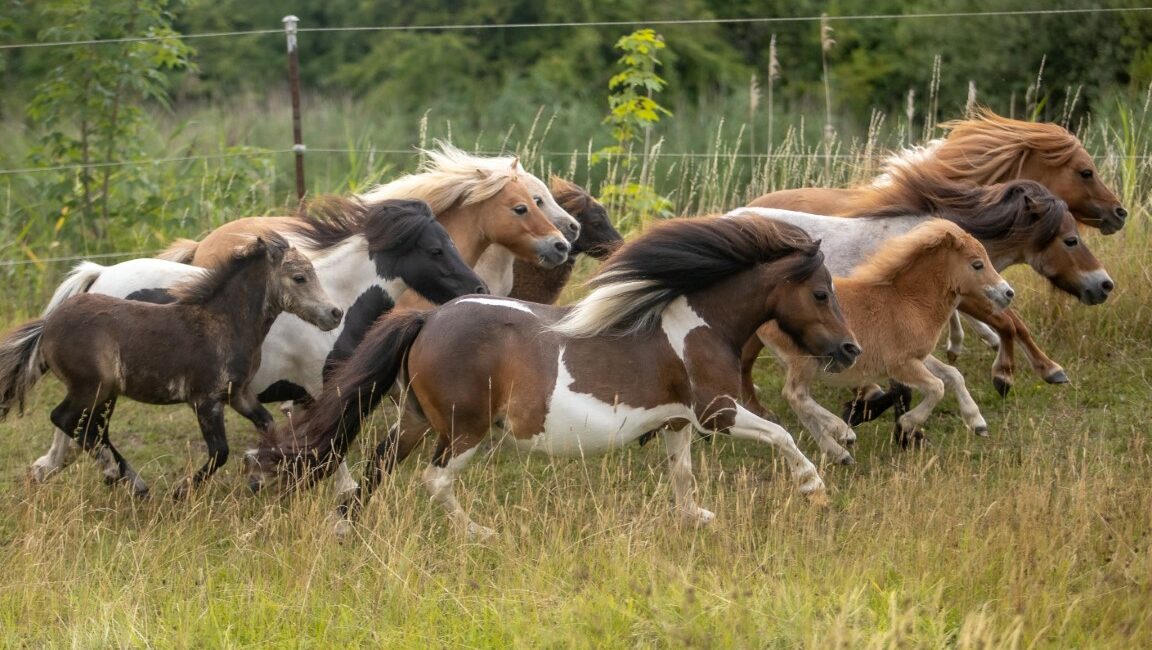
449 176
987 149
899 253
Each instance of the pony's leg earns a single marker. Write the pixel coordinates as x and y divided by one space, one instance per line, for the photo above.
986 334
61 454
955 337
748 356
1049 370
210 416
678 442
749 426
89 427
401 440
825 427
248 405
438 478
1003 368
954 381
916 375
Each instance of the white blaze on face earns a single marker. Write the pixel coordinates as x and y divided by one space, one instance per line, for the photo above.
677 320
579 424
499 302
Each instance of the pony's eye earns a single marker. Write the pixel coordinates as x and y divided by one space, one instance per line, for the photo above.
521 209
539 201
1071 241
978 265
821 296
1086 174
299 278
437 251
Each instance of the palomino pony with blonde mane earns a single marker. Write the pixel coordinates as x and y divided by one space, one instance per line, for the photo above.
655 346
984 150
897 302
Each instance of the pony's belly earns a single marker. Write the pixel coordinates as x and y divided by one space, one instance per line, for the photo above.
294 351
580 425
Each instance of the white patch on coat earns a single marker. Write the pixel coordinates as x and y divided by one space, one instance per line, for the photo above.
499 302
677 320
578 424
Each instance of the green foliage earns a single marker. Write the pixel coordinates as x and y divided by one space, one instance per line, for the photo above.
87 110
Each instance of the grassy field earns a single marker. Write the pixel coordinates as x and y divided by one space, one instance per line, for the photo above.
1040 536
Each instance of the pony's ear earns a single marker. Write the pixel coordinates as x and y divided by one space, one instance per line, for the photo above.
515 163
1030 205
482 173
250 249
276 248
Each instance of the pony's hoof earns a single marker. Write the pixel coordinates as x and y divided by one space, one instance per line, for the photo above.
479 533
698 516
981 431
182 491
342 529
142 493
40 473
1058 377
1003 386
953 356
847 459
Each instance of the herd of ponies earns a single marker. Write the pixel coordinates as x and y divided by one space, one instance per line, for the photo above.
437 290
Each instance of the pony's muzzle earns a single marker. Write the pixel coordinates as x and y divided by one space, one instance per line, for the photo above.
1096 287
1001 295
552 251
844 356
328 318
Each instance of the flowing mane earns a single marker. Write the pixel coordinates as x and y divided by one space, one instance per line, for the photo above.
449 176
388 225
894 258
987 148
202 288
678 257
1012 213
573 198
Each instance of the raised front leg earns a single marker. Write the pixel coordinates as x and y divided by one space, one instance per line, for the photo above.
210 416
748 357
749 426
248 405
678 442
986 334
954 381
955 337
89 429
825 427
1048 369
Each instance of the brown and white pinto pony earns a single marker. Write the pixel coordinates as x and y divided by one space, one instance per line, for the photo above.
598 239
201 350
984 149
897 303
655 346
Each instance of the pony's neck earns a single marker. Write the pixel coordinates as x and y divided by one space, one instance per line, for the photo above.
927 282
736 306
463 223
245 298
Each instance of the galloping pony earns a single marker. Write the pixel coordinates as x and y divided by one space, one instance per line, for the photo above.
365 257
656 345
897 302
598 239
1017 222
984 150
201 350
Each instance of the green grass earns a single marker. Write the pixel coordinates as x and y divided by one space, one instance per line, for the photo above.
1040 536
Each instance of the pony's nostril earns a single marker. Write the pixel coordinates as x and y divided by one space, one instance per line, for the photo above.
337 313
481 289
1107 286
561 247
1121 212
851 349
1009 293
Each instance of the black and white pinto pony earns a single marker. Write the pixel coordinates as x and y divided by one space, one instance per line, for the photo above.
655 346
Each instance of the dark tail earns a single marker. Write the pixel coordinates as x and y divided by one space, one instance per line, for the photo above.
311 446
20 365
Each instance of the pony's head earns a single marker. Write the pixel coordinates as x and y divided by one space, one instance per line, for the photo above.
293 283
598 237
1046 234
992 149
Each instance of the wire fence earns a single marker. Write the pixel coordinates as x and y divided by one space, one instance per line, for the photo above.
259 153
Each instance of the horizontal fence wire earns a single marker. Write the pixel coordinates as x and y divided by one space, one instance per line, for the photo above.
604 23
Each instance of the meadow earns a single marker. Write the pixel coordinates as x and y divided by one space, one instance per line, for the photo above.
1040 536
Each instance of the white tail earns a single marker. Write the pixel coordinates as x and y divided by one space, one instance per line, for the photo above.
77 282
